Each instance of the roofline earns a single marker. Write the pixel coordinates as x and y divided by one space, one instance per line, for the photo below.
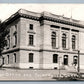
40 17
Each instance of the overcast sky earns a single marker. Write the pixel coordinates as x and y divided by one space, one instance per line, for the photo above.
68 10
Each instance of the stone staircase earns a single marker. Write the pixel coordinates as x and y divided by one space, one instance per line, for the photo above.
71 68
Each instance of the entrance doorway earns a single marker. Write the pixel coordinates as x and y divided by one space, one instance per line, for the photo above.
65 59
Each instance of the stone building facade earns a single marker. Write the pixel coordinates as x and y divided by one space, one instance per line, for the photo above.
43 41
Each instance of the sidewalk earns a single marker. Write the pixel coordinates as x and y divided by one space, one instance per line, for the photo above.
31 74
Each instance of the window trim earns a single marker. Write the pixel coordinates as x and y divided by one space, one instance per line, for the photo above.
53 38
55 58
31 40
15 36
73 42
64 40
31 58
66 58
3 60
30 26
8 41
76 60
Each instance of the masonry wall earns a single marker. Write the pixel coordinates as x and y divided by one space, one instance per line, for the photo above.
25 32
12 49
24 59
42 49
81 48
11 59
48 53
48 60
24 43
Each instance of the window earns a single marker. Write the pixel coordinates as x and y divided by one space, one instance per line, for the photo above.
31 26
73 41
8 41
14 58
30 57
75 60
65 59
15 36
15 39
8 59
3 60
53 39
55 58
63 40
31 39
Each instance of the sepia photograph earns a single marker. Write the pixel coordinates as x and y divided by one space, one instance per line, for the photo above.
41 42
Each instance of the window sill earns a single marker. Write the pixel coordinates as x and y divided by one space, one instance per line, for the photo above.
55 63
32 45
7 48
66 65
14 46
54 48
31 31
65 49
74 49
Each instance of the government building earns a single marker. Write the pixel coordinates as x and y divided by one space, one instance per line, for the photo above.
43 41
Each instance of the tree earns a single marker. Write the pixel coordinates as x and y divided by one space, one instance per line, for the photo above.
2 42
3 33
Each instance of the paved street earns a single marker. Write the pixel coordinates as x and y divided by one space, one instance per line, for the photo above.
19 74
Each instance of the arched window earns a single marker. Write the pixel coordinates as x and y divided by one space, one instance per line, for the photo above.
53 39
65 59
75 58
30 57
15 36
63 40
73 41
55 58
8 41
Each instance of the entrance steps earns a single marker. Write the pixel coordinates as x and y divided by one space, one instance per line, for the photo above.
71 68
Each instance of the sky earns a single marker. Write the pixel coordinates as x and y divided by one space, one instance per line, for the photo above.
76 11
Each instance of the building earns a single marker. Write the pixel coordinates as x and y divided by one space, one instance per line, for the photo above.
43 41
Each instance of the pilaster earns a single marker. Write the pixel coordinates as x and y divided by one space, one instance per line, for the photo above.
70 40
60 39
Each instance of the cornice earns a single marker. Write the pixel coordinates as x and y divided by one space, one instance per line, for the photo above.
29 17
39 50
60 21
40 18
